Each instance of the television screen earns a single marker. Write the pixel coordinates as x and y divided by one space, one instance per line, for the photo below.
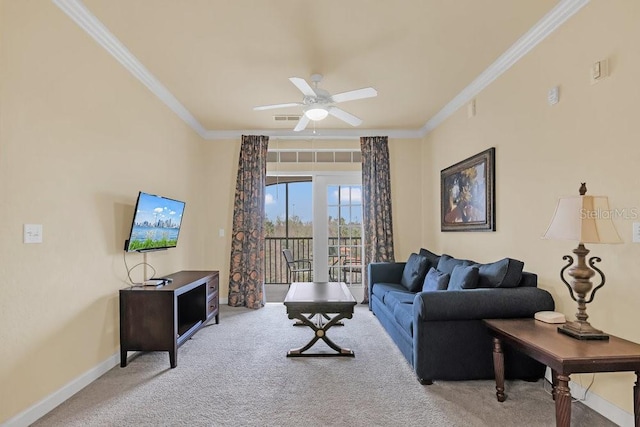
156 223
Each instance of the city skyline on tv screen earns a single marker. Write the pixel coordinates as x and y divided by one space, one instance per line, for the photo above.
156 223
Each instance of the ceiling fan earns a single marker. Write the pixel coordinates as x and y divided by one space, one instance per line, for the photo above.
318 102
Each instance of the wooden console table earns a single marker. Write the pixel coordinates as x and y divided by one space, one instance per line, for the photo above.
565 356
162 318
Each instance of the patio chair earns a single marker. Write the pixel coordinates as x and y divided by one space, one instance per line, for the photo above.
337 260
297 266
350 269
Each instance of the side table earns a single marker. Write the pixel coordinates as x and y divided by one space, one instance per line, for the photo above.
565 356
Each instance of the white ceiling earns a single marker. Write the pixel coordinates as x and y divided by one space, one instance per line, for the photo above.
212 61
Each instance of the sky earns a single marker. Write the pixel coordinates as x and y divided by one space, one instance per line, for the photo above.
300 201
151 207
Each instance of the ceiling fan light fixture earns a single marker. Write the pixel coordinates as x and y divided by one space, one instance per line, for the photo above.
317 103
316 113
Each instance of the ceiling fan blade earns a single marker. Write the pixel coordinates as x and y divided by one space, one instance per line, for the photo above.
344 116
303 86
272 106
302 123
367 92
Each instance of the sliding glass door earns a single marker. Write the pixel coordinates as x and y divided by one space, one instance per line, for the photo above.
319 218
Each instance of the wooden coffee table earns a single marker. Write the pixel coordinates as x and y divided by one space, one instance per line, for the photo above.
564 355
323 299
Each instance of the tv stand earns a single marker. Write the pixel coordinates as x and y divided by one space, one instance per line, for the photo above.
163 318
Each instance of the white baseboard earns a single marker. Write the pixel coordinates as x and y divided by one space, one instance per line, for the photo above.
37 411
598 404
46 405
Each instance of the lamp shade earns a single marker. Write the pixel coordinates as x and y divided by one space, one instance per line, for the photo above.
586 219
316 113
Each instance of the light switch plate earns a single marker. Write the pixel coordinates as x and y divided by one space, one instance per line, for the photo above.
33 233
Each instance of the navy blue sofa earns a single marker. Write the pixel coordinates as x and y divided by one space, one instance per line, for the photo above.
440 332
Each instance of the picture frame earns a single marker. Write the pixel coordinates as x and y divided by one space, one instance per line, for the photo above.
467 194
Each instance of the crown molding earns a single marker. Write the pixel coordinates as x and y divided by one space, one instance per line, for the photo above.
564 10
311 134
82 16
79 13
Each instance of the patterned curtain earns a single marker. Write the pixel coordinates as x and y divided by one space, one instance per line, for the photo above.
246 277
376 200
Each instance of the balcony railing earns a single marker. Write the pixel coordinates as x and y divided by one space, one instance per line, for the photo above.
345 266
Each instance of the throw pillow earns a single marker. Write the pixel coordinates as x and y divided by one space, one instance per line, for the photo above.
414 272
447 262
431 257
505 273
435 281
514 274
464 277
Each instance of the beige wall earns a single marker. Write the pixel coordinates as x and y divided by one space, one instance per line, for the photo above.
407 196
79 137
219 188
543 152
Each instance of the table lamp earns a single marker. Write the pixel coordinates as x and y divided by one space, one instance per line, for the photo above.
585 219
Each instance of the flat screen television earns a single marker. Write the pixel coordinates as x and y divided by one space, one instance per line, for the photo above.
156 223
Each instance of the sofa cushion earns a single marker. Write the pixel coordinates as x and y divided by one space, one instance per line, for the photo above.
435 280
403 313
447 262
431 258
382 289
414 272
505 273
464 277
393 298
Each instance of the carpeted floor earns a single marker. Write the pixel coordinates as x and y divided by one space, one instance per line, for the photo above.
236 374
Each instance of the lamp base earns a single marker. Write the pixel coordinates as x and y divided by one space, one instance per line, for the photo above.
582 331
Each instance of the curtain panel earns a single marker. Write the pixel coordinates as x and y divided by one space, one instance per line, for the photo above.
376 200
246 276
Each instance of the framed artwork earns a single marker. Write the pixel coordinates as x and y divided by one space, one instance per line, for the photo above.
467 200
